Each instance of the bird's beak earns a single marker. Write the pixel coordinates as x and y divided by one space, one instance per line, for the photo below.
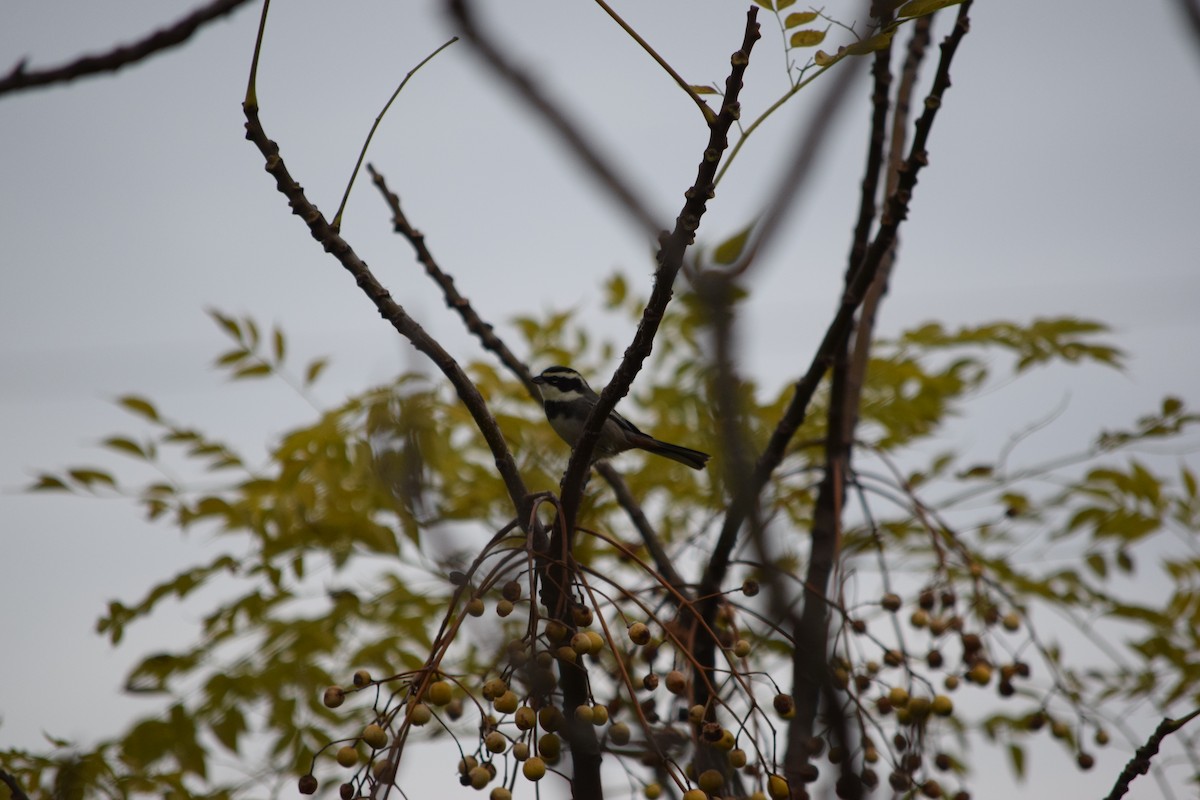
539 380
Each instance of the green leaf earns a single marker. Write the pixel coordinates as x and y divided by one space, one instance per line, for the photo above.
124 445
1016 755
315 368
47 482
702 89
139 406
871 44
807 38
767 4
798 19
253 371
91 476
278 344
228 323
780 5
615 290
921 8
728 251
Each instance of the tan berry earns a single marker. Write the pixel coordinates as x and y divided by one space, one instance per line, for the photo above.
676 682
439 693
741 648
504 608
582 616
695 794
549 746
942 705
475 607
619 733
534 768
479 777
419 714
639 633
362 678
520 751
334 697
375 737
506 703
711 781
980 674
597 642
500 793
524 718
347 756
891 601
495 742
550 718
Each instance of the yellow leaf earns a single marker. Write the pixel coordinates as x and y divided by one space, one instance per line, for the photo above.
801 18
870 45
701 89
921 8
728 251
823 59
807 38
765 4
782 4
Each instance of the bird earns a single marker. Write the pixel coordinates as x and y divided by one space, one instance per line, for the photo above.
567 400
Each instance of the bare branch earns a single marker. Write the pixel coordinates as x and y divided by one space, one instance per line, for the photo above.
121 56
1140 763
454 300
709 116
390 310
895 211
672 248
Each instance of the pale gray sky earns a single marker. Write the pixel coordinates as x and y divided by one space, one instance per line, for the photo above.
1063 179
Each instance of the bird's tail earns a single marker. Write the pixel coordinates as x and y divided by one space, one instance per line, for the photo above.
684 455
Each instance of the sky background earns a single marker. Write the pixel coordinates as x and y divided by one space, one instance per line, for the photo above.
1063 180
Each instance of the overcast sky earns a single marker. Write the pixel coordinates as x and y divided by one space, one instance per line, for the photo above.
1063 180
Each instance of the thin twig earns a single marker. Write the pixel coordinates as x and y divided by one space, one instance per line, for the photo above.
122 55
625 499
895 211
709 116
483 331
390 310
337 218
670 256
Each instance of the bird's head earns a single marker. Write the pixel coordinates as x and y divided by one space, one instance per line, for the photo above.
561 384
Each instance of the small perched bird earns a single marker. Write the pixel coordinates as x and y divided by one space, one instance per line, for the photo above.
567 400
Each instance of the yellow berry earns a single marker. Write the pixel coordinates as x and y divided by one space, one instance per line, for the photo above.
375 736
439 693
534 769
347 756
419 714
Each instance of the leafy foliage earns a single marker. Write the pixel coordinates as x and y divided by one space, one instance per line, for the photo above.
356 496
